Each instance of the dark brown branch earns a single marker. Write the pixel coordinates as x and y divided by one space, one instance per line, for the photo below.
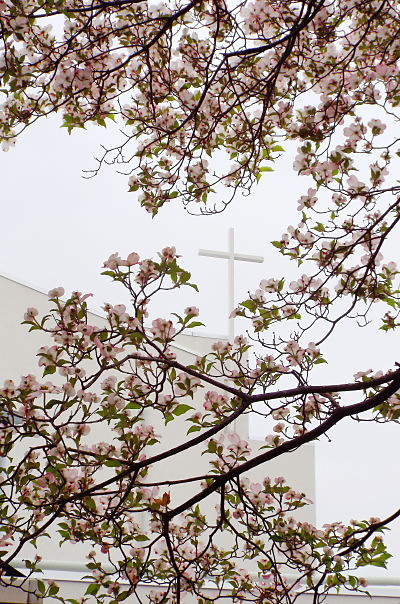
336 416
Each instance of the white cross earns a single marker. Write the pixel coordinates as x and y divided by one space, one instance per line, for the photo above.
231 257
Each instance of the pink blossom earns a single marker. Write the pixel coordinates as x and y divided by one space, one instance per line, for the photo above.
30 313
132 259
71 475
8 389
221 347
109 382
295 354
57 292
214 401
162 329
119 310
168 254
240 341
288 310
108 351
361 374
69 390
82 429
273 440
280 413
376 126
309 200
113 262
144 431
354 185
132 575
192 310
147 272
48 355
165 399
269 285
312 350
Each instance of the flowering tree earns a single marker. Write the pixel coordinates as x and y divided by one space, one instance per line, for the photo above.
199 79
232 82
103 493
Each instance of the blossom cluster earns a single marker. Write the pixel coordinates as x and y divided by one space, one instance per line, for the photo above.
90 445
208 82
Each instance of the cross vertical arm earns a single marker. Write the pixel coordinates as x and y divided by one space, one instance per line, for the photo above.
231 256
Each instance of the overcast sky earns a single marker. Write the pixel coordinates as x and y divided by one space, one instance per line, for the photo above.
58 228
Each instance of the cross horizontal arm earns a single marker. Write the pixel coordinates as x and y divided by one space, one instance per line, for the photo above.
226 255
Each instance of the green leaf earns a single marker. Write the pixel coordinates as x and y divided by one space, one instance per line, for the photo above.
112 463
133 406
141 538
54 589
390 302
195 324
212 446
41 586
250 304
90 503
92 589
381 560
123 595
108 273
50 369
168 418
181 409
193 429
